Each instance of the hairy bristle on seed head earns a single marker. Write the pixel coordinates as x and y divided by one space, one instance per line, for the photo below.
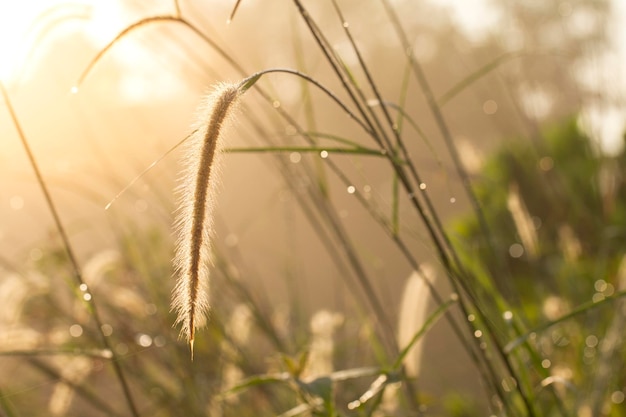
194 223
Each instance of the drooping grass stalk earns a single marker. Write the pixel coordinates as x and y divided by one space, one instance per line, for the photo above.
69 251
194 221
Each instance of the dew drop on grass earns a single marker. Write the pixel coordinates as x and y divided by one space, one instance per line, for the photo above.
276 104
150 309
324 154
87 296
490 107
591 341
422 186
516 250
295 157
545 364
76 330
83 287
546 163
143 340
617 397
471 318
507 315
351 189
478 334
107 329
74 90
159 341
346 25
597 297
452 200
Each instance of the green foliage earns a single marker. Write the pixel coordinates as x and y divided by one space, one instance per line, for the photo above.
573 199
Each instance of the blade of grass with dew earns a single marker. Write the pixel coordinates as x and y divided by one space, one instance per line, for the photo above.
444 129
581 309
306 149
307 101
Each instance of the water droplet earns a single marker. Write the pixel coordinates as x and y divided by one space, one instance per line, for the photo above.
545 364
478 334
276 104
76 330
159 341
143 340
422 186
471 318
452 200
617 397
600 285
150 309
516 250
83 287
351 189
454 296
546 163
107 329
87 296
597 297
324 154
591 341
367 189
74 90
490 107
295 157
346 25
507 315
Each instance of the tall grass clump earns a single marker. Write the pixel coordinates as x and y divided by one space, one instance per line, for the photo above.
365 174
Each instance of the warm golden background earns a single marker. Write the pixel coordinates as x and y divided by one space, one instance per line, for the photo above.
558 58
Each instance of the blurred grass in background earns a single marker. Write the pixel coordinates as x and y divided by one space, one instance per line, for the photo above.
311 209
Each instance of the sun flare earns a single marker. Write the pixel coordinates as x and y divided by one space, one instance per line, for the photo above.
16 20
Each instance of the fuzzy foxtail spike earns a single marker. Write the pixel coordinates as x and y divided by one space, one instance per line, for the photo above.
194 222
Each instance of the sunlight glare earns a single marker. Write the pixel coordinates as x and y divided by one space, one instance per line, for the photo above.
15 21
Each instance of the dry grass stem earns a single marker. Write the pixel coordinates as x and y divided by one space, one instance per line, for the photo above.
194 222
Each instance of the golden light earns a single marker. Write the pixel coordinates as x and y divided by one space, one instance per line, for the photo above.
16 20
